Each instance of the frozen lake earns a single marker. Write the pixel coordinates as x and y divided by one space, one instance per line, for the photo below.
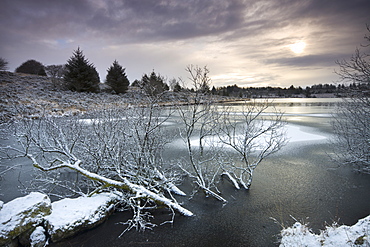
300 181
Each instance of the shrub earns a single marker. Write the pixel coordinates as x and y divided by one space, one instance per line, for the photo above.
31 67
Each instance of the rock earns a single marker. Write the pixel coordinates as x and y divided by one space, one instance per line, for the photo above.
24 237
22 214
71 216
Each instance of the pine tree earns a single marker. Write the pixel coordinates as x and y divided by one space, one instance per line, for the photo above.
116 78
153 84
177 87
81 75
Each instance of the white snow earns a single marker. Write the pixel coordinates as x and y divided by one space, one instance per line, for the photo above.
69 213
23 212
38 236
300 235
297 134
232 179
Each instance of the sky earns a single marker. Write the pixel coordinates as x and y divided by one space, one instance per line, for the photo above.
251 43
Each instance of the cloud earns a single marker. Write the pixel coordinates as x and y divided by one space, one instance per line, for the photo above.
153 20
237 39
306 61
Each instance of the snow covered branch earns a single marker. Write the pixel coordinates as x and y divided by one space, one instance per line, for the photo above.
108 150
139 190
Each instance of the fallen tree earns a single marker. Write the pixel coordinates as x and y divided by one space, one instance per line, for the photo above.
103 151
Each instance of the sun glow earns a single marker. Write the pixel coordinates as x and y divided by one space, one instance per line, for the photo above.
297 47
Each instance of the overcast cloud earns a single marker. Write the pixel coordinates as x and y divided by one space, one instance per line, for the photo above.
245 42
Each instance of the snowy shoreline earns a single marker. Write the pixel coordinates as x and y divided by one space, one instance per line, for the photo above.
35 219
301 235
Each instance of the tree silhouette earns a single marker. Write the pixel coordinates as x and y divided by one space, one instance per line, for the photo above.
153 84
31 67
116 78
81 75
3 64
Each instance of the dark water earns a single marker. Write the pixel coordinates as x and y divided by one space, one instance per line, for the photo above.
300 181
301 185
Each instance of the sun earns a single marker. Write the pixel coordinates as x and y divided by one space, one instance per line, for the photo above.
297 47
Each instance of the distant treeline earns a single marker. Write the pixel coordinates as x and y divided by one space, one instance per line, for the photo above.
339 90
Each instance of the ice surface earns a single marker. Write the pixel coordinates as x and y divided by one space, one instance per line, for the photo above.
297 134
294 133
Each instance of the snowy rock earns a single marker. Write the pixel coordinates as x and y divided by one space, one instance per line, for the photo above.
22 215
71 216
1 204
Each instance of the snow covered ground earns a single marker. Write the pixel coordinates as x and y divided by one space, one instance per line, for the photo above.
333 236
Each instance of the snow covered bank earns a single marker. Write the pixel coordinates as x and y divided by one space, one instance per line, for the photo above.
301 235
30 219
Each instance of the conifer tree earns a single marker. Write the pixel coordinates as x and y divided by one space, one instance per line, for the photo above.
116 78
153 84
81 75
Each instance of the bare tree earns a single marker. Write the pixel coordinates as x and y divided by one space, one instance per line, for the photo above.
214 134
56 73
351 126
105 150
252 136
352 120
357 69
199 119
